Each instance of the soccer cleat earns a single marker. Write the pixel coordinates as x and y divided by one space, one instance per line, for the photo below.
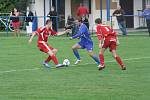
101 67
123 68
77 61
46 65
59 65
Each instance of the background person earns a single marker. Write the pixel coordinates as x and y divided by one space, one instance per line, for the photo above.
15 21
82 11
53 16
119 13
29 19
146 14
70 24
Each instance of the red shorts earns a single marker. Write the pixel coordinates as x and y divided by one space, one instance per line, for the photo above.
16 24
44 47
111 43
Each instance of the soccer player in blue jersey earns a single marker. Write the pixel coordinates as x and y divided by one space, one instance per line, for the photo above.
84 43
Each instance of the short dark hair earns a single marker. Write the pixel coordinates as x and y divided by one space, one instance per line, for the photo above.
79 19
48 21
98 21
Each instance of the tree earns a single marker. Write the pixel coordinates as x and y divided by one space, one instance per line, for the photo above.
6 6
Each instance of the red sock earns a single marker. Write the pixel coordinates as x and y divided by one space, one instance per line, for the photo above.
101 57
53 57
48 59
119 61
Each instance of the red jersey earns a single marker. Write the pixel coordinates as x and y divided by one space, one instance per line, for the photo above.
43 33
82 11
104 31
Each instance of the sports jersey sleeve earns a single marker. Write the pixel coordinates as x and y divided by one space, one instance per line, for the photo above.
39 30
53 32
98 33
81 30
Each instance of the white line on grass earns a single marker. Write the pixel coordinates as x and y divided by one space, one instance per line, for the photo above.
21 70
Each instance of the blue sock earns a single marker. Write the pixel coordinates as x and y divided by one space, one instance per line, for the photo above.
76 54
96 59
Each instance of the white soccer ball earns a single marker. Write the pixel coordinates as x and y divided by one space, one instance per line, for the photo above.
66 62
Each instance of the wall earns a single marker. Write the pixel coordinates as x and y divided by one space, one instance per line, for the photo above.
96 14
39 7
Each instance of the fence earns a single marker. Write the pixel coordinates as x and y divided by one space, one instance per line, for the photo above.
7 29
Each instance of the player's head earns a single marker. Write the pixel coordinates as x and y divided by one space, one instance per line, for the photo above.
78 21
98 21
48 23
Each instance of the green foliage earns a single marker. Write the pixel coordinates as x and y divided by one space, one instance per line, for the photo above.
7 5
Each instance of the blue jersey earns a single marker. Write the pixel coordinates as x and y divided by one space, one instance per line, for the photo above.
146 13
83 34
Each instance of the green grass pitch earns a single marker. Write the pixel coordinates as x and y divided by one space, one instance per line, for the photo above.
22 77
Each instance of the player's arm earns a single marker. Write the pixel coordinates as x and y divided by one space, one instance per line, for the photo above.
81 30
61 33
31 38
100 37
76 36
100 43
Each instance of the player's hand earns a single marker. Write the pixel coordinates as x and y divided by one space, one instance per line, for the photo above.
67 30
30 41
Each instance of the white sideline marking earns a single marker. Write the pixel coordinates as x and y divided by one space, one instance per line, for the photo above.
21 70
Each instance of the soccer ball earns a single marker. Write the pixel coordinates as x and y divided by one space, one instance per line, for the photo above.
66 62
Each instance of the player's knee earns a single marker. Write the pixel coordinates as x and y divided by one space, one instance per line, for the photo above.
115 55
91 54
55 51
101 52
51 53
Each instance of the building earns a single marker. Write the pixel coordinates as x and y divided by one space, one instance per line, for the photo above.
97 8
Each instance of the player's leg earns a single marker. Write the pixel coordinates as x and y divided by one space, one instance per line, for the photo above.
53 57
101 57
49 57
93 55
75 51
51 52
89 48
117 58
101 54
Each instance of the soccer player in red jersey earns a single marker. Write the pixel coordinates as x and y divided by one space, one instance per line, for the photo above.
43 33
107 39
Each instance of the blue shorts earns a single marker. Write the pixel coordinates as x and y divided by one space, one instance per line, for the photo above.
88 46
